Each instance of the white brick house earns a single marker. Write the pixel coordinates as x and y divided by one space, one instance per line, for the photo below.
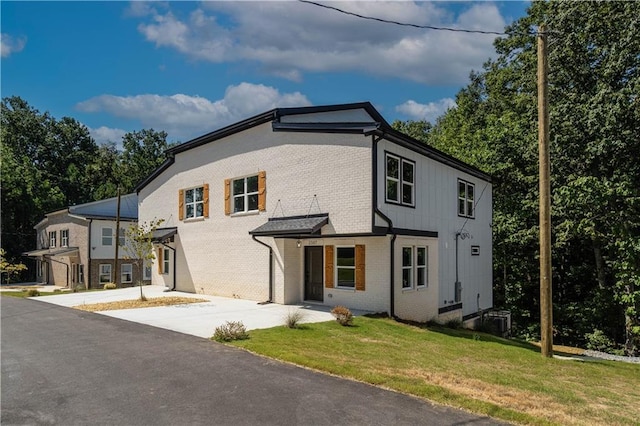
328 205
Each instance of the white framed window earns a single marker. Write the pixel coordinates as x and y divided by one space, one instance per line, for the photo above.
466 197
400 180
407 267
194 202
64 238
146 274
165 261
126 273
52 239
346 267
107 236
104 273
422 268
245 194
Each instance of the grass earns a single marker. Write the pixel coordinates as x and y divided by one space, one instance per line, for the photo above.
504 379
25 293
137 303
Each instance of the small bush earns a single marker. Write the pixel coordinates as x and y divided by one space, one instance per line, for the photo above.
293 318
343 315
78 288
57 290
231 330
454 323
33 292
109 286
599 341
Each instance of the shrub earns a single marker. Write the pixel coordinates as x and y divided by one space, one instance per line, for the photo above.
343 315
293 318
454 323
599 341
33 292
231 330
109 286
78 288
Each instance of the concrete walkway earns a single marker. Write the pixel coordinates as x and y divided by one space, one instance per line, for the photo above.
196 319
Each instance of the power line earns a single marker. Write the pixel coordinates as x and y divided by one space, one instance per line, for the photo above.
386 21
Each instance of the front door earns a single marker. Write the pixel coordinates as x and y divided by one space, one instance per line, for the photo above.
313 273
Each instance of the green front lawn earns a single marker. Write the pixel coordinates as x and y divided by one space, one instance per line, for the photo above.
501 378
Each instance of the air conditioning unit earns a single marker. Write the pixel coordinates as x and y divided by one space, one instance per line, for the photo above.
501 321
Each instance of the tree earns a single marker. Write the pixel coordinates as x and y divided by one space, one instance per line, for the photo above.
595 122
416 129
9 268
139 246
144 151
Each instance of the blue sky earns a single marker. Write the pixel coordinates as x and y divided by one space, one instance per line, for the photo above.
191 67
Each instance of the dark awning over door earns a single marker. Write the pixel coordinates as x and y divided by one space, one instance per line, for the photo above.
164 235
292 226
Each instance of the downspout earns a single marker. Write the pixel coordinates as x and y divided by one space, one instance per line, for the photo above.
270 267
390 229
174 265
67 266
88 285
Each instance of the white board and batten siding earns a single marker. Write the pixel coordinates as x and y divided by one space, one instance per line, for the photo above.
305 173
436 209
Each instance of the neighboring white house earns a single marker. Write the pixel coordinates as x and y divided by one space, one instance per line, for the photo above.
76 245
328 205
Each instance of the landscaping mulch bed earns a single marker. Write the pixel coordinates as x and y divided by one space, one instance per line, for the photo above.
137 303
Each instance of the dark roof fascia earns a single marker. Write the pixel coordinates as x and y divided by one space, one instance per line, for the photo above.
225 131
345 235
406 232
354 128
164 166
431 152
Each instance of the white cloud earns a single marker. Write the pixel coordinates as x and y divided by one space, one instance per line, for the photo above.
289 38
9 44
430 111
184 116
104 135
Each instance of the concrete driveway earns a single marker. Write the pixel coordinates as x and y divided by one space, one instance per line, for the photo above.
196 319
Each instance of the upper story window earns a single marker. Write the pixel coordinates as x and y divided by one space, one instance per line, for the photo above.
194 202
52 239
246 194
466 197
64 238
107 236
400 180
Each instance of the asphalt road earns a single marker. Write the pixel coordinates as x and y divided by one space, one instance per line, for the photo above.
67 367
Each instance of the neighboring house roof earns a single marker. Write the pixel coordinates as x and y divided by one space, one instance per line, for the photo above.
293 225
290 119
101 209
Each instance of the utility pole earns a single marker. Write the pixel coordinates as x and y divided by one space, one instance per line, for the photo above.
117 274
546 305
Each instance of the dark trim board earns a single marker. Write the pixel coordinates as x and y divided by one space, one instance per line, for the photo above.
406 232
449 308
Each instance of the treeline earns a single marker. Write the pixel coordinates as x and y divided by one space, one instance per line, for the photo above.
595 144
49 164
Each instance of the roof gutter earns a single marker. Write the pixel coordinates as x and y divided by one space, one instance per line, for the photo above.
253 237
390 229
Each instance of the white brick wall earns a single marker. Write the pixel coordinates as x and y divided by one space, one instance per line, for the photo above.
217 255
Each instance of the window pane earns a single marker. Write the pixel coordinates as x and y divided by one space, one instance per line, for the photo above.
346 256
393 164
461 207
253 202
188 196
238 204
470 208
462 189
346 277
406 278
422 256
199 193
392 190
407 194
422 276
470 192
407 254
238 186
199 210
407 172
252 184
189 210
